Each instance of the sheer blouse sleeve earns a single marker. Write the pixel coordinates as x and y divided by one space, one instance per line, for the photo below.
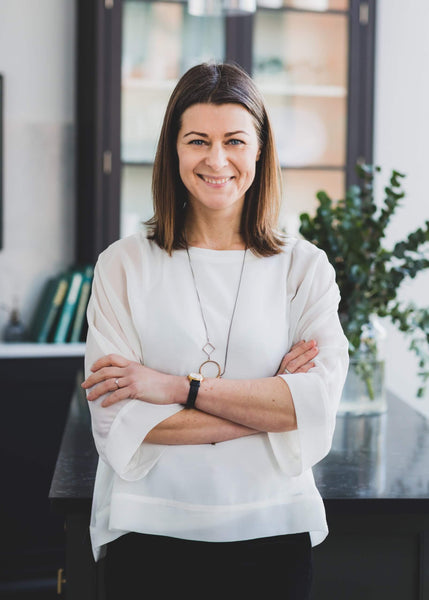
119 430
313 314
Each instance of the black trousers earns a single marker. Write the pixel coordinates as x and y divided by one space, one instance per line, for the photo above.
145 566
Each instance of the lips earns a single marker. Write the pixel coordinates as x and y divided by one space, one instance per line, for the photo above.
215 180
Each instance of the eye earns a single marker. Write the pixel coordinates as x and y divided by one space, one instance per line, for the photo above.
235 142
197 143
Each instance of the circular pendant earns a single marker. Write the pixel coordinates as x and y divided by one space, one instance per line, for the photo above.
216 367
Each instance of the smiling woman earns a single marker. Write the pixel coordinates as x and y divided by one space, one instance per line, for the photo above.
218 90
217 162
215 362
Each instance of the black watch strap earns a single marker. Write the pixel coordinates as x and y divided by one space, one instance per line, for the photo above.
193 391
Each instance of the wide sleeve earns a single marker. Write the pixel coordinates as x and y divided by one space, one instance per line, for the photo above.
313 314
119 430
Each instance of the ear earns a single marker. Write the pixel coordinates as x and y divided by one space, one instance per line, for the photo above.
258 155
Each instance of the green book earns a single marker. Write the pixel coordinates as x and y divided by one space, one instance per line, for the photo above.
69 307
80 316
48 308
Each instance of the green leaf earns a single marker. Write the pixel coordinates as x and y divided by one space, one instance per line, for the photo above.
351 230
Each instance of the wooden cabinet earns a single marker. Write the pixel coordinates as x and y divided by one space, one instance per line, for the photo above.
313 60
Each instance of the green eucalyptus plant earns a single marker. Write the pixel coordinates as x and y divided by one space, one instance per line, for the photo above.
351 231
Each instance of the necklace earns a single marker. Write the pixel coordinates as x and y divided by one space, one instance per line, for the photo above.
208 347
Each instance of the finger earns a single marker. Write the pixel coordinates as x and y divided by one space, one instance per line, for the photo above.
101 389
101 375
298 356
305 368
300 348
110 360
299 362
284 364
300 343
289 356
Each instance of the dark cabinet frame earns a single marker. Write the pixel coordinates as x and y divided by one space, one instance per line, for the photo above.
98 109
98 106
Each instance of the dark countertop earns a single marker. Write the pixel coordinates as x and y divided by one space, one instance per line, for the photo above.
378 462
73 480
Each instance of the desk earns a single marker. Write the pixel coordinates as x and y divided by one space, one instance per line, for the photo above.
375 485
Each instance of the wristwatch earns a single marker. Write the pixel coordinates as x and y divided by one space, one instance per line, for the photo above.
195 380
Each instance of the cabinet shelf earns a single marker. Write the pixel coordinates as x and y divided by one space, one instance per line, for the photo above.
144 85
315 167
313 91
267 88
32 350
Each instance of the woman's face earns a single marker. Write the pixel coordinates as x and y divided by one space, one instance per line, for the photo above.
218 148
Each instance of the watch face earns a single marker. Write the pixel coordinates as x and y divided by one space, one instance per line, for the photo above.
195 376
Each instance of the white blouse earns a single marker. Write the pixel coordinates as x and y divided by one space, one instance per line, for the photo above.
144 307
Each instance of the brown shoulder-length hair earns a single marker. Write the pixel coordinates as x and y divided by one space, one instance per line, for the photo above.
216 84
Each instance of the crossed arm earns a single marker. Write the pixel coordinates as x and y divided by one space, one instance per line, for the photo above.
225 409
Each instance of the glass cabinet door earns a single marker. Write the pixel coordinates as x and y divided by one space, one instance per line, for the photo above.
312 59
300 60
160 42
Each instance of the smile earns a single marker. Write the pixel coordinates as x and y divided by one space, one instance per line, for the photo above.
215 181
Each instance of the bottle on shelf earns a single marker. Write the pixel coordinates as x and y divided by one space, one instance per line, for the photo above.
14 330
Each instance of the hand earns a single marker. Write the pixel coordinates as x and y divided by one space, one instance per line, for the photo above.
299 359
123 379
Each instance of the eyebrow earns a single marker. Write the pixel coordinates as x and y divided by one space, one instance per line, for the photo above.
204 135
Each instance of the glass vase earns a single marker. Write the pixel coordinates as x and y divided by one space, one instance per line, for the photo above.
364 389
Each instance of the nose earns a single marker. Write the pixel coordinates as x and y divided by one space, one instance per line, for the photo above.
216 157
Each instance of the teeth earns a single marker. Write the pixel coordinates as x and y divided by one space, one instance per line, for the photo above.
216 181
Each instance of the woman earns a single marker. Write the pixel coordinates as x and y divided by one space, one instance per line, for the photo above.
206 444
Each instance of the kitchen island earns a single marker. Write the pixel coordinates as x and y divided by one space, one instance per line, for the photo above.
374 482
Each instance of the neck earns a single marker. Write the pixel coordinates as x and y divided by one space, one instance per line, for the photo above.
214 232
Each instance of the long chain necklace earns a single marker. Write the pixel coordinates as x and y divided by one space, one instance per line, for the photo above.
208 347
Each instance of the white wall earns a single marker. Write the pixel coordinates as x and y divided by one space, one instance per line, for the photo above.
37 47
401 142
